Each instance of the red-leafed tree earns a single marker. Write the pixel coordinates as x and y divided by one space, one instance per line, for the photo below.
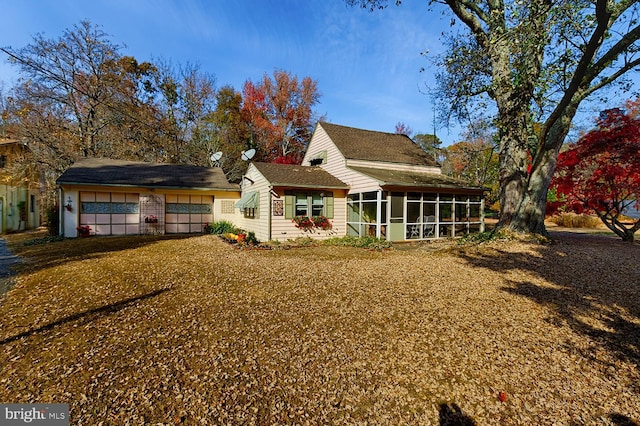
601 172
279 113
403 129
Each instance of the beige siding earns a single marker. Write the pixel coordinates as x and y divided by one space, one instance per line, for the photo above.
394 166
336 163
260 223
284 229
321 142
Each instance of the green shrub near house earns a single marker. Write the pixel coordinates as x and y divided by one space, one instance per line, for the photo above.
220 227
360 242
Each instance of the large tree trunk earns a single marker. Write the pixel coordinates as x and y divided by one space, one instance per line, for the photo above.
523 197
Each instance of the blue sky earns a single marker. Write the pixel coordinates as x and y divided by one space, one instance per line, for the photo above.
367 65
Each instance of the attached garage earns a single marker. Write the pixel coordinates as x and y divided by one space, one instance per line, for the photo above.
131 198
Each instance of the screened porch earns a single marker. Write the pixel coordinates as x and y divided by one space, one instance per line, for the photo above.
400 216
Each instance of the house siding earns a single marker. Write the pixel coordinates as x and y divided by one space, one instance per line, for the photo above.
260 223
283 228
336 163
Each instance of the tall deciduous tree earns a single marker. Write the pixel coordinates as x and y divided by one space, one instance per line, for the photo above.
430 144
537 60
601 172
474 159
79 97
403 129
229 133
279 111
187 97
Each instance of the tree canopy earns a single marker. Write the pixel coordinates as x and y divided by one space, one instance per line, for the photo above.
78 96
601 172
532 62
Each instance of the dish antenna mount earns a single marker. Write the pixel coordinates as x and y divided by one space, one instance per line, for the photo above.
248 154
215 157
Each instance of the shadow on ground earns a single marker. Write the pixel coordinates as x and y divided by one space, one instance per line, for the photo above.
595 277
85 316
452 415
54 253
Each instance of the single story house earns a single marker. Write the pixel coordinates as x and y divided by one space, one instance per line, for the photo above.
114 197
351 182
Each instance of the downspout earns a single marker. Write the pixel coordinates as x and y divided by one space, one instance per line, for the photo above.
60 213
378 213
270 201
482 213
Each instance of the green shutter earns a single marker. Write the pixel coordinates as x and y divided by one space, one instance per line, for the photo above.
328 206
289 206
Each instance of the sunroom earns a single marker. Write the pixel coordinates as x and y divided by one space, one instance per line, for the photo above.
412 206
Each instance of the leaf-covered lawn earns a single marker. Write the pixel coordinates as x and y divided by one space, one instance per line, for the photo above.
192 330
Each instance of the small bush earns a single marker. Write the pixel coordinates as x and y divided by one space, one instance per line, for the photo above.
572 220
303 241
53 220
220 227
479 237
360 242
44 240
251 239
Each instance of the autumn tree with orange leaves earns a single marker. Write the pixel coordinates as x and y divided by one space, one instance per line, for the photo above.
279 114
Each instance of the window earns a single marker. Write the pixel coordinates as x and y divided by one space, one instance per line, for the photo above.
302 208
32 203
318 158
315 203
3 161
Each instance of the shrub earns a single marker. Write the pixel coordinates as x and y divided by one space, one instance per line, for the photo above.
251 239
572 220
53 220
220 227
360 242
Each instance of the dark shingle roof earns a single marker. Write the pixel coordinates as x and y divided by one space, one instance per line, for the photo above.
402 178
299 176
358 144
107 172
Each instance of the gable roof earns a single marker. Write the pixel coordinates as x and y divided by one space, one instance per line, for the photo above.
359 144
411 179
107 172
298 176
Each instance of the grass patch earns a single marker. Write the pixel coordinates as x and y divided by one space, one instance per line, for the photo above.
370 243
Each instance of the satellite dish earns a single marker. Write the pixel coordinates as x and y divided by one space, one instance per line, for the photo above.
215 157
248 155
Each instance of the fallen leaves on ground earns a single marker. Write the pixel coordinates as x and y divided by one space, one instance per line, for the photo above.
190 330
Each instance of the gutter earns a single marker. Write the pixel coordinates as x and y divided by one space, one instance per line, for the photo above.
124 185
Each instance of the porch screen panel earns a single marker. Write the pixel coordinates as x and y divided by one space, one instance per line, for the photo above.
353 219
414 215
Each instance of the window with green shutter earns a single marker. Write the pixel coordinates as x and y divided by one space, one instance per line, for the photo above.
313 203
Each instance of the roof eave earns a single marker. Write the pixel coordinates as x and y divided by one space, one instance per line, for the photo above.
309 186
60 183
